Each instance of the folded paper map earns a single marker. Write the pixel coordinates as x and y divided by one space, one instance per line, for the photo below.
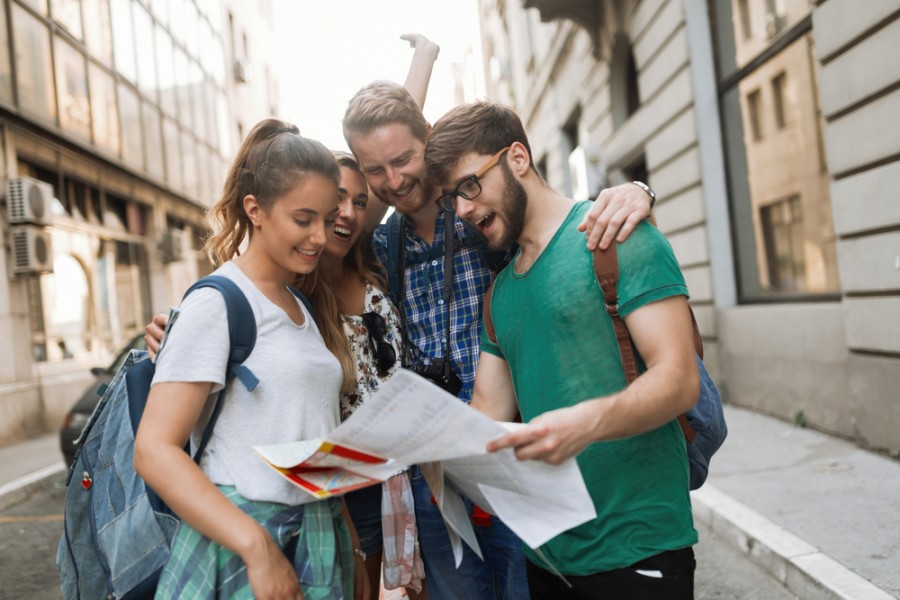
411 421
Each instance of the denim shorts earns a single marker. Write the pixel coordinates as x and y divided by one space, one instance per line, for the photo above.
365 510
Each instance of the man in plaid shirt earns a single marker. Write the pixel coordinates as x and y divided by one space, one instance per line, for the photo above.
386 130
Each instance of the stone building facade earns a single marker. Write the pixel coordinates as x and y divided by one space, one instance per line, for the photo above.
118 119
770 131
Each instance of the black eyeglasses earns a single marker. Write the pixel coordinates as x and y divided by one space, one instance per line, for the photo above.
385 357
470 187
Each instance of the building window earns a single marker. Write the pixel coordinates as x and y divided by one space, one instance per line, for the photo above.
778 99
67 308
34 74
104 111
123 38
146 58
130 113
754 108
5 69
72 88
97 30
623 83
746 25
781 225
779 193
68 14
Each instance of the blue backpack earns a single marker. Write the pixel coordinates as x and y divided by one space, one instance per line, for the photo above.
703 426
117 531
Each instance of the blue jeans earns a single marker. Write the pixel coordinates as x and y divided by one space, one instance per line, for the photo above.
365 509
502 574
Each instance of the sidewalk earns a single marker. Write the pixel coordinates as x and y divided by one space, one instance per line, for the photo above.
821 515
818 513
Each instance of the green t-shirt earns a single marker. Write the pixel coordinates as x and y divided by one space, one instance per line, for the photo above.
554 332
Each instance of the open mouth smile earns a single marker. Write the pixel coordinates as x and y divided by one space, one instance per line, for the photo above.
485 222
342 232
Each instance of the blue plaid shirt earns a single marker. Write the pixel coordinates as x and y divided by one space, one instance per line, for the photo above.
424 307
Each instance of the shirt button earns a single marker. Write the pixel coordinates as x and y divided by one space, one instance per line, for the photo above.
434 263
443 340
440 301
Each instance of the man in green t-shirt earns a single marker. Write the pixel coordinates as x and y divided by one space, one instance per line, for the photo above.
556 361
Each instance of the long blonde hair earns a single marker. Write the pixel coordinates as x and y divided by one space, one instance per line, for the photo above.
270 162
361 260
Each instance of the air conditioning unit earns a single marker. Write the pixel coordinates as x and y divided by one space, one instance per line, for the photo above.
29 201
172 246
31 249
240 70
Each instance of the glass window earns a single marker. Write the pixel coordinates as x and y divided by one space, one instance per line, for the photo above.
97 30
153 138
190 165
183 88
130 113
754 25
104 112
779 185
200 104
5 68
176 21
146 58
754 114
68 14
123 38
160 8
192 29
166 59
171 139
223 124
67 297
213 12
209 112
779 85
34 74
38 5
72 87
123 287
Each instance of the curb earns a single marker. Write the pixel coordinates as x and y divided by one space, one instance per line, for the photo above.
798 565
19 489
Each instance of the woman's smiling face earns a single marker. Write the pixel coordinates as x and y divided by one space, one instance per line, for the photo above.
351 216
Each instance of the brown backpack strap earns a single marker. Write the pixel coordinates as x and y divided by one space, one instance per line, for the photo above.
486 314
606 268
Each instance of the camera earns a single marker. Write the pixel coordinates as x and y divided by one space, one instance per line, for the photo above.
435 373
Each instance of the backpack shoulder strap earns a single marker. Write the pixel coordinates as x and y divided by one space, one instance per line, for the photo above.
242 336
394 266
486 314
241 326
606 269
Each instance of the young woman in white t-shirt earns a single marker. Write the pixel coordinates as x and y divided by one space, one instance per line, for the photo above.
238 515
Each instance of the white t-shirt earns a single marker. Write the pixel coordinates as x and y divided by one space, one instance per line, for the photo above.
296 399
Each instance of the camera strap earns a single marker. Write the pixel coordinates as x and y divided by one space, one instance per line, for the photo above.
448 289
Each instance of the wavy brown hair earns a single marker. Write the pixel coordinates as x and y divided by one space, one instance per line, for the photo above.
271 161
359 260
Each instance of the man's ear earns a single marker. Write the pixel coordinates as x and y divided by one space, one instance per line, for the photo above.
518 159
253 209
427 130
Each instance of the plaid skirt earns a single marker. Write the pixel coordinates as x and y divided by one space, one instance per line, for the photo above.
315 534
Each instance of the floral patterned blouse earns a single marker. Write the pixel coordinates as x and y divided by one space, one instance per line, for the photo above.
367 378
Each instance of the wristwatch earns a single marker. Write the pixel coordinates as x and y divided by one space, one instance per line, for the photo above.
359 552
649 191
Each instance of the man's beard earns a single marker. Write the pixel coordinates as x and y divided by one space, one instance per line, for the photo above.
515 201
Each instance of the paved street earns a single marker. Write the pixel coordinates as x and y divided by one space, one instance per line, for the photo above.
30 531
